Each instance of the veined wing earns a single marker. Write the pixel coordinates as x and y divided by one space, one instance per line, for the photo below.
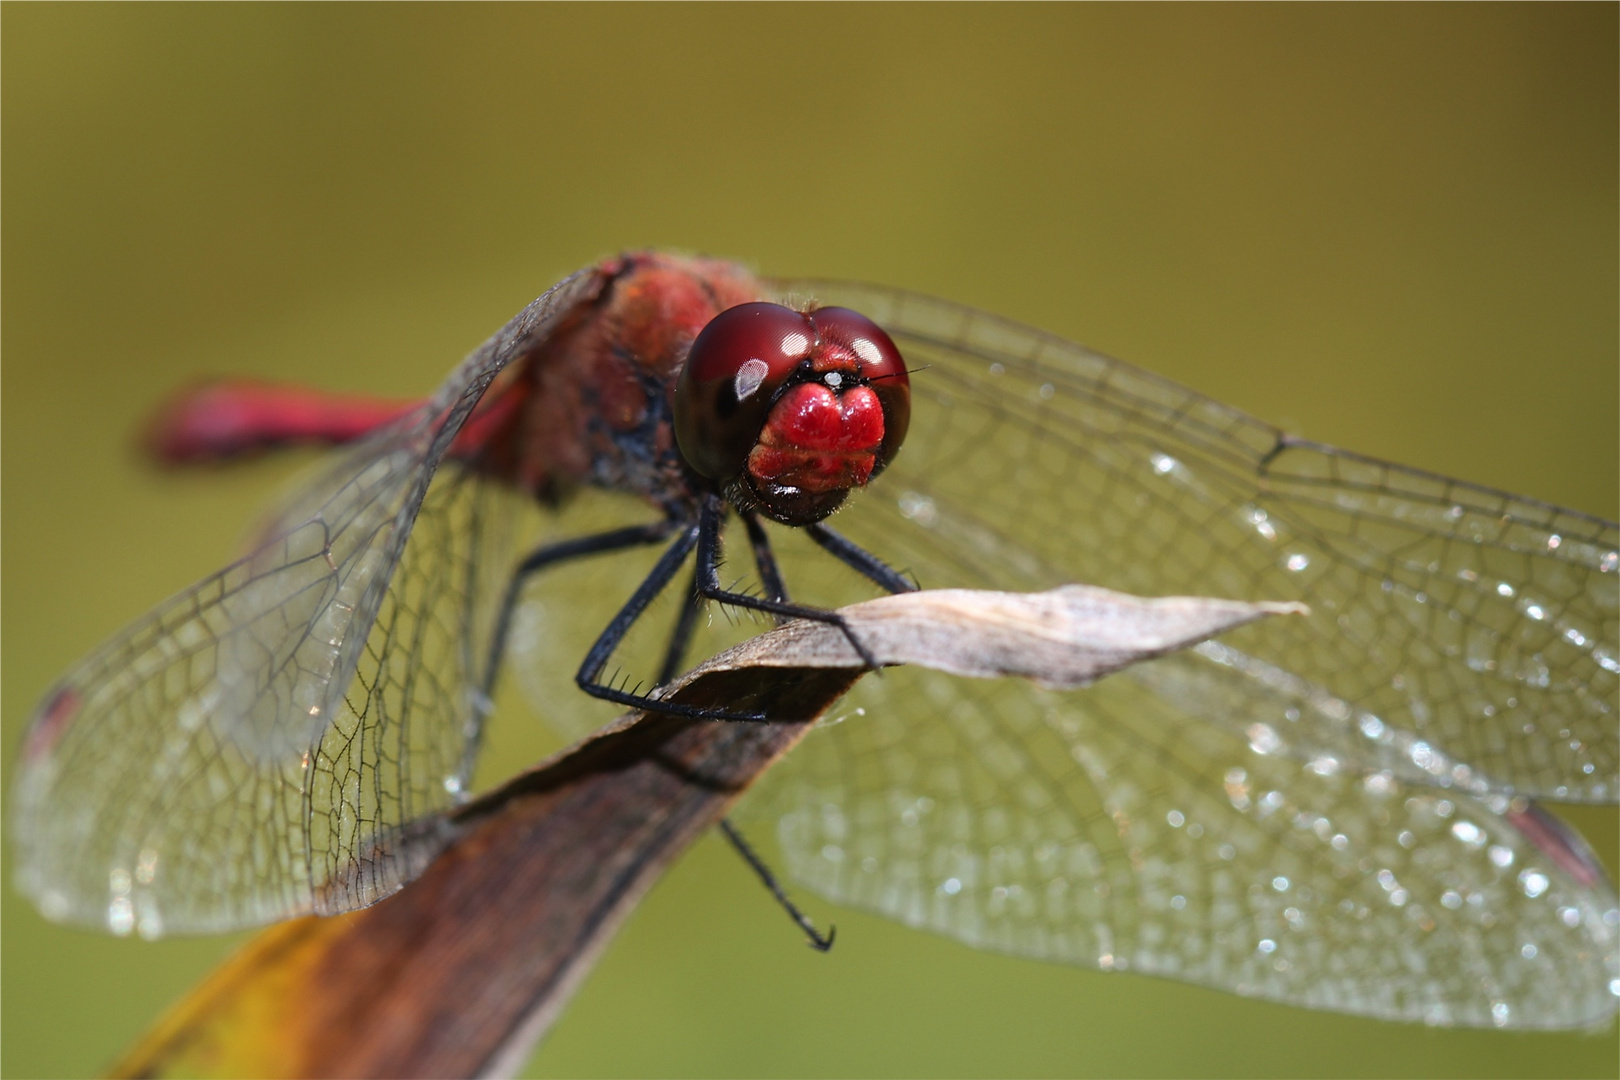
1109 829
260 745
1319 811
1459 636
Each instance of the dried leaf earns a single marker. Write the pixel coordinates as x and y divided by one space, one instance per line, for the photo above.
1062 639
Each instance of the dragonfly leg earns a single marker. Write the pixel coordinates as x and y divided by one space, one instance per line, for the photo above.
687 621
771 577
591 669
550 555
708 567
860 560
817 941
681 636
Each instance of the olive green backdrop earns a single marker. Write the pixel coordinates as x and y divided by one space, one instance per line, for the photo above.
1391 228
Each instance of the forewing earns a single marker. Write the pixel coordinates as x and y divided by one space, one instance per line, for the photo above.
262 744
1460 651
1458 636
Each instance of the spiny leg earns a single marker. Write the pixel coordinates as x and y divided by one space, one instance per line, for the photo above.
770 576
550 555
590 670
681 636
817 941
533 563
708 566
860 560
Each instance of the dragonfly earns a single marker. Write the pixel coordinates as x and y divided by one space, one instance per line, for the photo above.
1344 811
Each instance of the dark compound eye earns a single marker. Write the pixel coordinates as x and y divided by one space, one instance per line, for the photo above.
788 411
738 363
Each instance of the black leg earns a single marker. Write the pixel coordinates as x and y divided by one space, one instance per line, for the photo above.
687 621
817 942
708 567
595 660
765 559
681 637
770 575
538 560
859 559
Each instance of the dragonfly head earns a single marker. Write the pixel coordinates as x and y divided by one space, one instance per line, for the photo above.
789 410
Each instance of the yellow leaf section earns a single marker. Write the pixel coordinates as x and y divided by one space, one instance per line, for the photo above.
246 1018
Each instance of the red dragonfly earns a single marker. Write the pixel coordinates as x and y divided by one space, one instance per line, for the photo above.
1338 812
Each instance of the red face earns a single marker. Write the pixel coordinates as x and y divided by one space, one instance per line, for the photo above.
789 410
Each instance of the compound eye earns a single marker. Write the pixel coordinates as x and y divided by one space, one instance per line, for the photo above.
881 366
875 351
736 366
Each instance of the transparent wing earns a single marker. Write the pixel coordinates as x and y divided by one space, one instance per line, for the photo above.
1461 650
261 744
1109 829
1459 636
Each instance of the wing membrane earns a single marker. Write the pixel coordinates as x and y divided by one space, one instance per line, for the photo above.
261 744
1312 810
1458 635
1108 829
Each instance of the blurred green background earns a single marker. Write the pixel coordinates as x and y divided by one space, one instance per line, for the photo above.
1388 227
